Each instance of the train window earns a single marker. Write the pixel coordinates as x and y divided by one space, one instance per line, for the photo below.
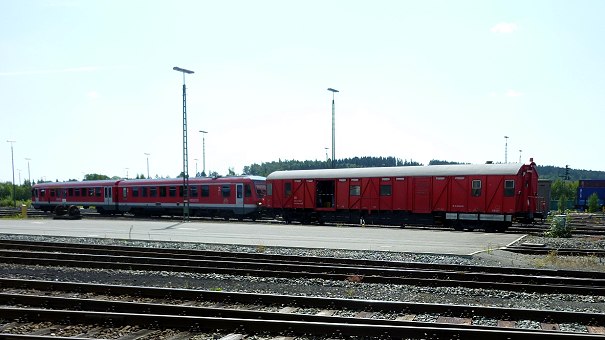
52 192
269 189
144 191
77 192
287 189
205 190
476 188
509 188
70 192
162 191
98 192
91 192
247 190
226 190
385 190
261 189
355 190
42 192
172 191
181 191
124 192
239 192
135 192
153 192
193 191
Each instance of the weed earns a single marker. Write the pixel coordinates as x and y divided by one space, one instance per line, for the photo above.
559 227
490 248
261 248
350 293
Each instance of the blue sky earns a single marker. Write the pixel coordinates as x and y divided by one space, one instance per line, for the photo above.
88 86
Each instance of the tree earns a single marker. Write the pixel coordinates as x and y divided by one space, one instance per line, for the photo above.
593 202
569 189
95 177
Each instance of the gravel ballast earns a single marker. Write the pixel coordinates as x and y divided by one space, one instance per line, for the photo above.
330 288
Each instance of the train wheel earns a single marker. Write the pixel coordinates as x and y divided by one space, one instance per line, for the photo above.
60 210
74 211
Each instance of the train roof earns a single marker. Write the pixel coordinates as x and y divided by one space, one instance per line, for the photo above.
402 171
159 181
96 183
192 180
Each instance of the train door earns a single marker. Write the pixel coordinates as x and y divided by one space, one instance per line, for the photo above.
239 198
422 195
325 194
108 199
35 195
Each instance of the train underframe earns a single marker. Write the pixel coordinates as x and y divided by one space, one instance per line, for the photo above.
456 221
223 213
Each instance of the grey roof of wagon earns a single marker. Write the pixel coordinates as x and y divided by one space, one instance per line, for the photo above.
402 171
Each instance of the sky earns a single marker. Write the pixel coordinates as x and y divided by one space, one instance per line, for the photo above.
89 86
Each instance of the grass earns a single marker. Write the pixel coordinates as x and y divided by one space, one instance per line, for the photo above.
490 248
553 259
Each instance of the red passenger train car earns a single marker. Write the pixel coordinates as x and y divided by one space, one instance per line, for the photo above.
237 196
488 196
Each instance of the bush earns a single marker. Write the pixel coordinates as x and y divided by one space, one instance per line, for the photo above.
558 227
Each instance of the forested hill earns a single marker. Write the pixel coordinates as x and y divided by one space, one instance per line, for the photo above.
265 168
554 172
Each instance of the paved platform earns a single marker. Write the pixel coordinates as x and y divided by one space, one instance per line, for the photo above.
256 234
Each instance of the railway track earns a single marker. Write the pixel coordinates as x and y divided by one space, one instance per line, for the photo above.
15 212
541 249
266 265
148 310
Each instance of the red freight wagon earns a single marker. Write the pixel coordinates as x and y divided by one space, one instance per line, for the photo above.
486 196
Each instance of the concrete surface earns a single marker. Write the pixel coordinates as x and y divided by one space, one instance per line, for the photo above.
256 234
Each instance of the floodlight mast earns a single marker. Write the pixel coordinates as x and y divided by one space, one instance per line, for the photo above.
333 128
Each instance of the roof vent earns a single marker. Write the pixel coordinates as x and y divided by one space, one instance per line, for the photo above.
489 162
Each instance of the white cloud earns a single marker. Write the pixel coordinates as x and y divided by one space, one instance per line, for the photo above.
513 93
64 70
504 27
508 93
92 95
